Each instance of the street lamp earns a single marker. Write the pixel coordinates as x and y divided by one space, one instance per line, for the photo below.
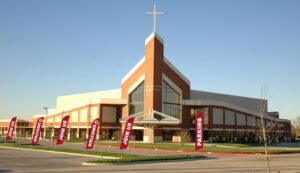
45 129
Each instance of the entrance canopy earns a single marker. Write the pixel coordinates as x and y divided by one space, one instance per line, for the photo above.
153 117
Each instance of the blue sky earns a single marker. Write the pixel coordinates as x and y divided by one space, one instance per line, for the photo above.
61 47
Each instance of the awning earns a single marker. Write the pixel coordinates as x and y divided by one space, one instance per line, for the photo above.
154 118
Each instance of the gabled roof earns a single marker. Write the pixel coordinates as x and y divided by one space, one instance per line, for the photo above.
127 76
142 61
151 36
176 70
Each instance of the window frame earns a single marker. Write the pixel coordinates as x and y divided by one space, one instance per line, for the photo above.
167 104
140 88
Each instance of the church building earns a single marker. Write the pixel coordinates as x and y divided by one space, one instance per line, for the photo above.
160 98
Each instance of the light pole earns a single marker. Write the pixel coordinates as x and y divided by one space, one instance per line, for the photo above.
45 129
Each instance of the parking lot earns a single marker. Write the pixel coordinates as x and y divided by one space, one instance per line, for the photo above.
19 160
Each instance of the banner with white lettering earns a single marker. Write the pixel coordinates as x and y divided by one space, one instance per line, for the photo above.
37 131
126 133
63 130
11 128
199 120
92 134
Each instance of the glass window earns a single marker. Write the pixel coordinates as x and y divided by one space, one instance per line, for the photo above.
195 111
217 116
136 100
240 119
170 101
229 117
250 120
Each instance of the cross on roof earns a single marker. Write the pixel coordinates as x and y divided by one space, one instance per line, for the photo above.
154 13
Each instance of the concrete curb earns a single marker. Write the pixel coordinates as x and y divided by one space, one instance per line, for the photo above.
92 164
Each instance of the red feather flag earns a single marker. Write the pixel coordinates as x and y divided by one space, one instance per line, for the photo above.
199 120
62 131
11 128
37 131
126 133
92 134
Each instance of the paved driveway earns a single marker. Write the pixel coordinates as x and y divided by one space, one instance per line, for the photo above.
15 160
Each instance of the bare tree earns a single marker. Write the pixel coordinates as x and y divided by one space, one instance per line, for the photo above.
185 136
264 129
296 125
117 135
270 129
293 132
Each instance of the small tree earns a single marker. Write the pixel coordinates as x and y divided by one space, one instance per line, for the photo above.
293 133
269 128
296 125
266 131
117 135
185 137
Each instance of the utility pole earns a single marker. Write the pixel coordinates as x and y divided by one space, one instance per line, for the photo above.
45 129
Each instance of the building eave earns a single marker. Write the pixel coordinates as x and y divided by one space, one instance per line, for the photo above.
186 80
127 76
154 35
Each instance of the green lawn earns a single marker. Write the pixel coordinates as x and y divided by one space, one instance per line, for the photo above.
46 148
223 147
210 147
122 158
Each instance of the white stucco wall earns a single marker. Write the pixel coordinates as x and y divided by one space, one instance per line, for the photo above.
74 101
84 115
74 116
57 119
94 112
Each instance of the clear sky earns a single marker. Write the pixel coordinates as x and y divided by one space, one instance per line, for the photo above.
59 47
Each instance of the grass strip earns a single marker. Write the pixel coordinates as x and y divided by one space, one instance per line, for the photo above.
123 158
239 148
130 159
74 151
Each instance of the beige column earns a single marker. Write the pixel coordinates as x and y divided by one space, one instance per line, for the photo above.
87 133
26 135
44 135
98 136
69 133
78 128
149 135
77 132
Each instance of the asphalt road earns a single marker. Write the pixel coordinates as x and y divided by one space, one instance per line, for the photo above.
16 160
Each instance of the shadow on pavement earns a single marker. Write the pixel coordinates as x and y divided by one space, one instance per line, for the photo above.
5 170
165 161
